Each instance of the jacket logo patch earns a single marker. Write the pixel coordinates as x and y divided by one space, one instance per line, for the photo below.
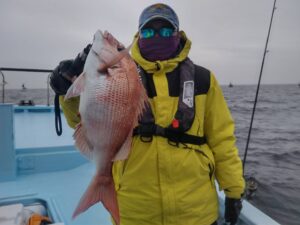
188 93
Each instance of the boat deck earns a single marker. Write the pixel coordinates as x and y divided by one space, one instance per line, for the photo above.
60 191
38 166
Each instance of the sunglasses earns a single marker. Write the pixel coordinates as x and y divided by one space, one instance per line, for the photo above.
150 32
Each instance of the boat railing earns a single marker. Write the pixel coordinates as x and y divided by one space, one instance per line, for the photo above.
3 86
25 70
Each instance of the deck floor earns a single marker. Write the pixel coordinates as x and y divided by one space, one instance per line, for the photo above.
62 191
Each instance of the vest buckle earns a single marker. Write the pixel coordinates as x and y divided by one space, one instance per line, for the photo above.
146 132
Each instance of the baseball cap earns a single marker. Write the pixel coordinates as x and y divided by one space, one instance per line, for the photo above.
156 11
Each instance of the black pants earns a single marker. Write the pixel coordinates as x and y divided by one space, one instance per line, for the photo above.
215 223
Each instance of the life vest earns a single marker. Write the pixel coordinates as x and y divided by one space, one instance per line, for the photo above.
184 116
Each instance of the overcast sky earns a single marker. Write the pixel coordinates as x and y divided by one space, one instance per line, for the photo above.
228 36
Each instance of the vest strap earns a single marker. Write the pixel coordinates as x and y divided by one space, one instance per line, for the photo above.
185 113
146 132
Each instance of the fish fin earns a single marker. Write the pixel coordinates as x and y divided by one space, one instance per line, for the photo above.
82 142
125 149
100 191
143 104
77 87
113 60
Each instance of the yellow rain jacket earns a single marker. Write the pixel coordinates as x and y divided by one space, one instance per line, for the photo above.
161 184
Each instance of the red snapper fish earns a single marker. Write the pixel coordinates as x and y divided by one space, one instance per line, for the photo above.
112 98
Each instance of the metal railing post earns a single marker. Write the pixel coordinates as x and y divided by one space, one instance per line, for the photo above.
3 86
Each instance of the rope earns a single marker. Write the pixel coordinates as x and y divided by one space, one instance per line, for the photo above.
58 126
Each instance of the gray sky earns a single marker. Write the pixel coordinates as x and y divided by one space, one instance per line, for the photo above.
228 36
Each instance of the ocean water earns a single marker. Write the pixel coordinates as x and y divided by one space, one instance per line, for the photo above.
38 96
274 150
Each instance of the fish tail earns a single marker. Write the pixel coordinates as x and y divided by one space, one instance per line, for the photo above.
100 190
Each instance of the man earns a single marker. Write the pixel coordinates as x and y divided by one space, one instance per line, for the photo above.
183 142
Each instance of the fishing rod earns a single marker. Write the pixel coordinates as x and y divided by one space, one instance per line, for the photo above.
251 179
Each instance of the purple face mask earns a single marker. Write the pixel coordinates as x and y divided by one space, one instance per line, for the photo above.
159 48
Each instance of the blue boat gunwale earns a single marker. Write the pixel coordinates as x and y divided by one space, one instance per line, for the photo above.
34 108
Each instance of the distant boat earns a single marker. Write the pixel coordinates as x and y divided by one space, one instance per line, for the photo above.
230 85
23 87
25 102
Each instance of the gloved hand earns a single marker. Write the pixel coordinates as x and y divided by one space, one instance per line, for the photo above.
233 208
58 82
77 66
67 71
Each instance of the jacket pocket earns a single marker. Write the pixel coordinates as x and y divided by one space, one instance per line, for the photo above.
208 163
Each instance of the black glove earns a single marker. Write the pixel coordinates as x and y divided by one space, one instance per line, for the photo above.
77 66
63 75
233 208
58 82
